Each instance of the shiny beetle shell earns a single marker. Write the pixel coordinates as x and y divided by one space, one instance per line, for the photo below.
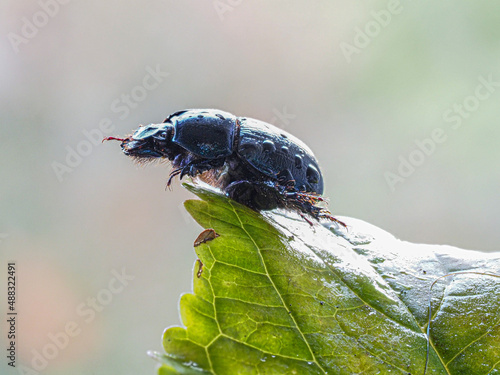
270 150
208 134
279 155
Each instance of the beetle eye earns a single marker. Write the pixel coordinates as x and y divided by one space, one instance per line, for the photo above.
161 136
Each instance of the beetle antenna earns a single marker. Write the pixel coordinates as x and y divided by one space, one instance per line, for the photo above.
113 139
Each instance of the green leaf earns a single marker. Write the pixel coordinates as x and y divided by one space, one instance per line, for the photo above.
279 296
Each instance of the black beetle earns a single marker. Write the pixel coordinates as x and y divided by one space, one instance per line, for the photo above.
252 162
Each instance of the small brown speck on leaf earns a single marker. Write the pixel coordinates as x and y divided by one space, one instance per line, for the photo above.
200 268
205 236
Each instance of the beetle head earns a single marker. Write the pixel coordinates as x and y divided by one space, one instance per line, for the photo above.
149 141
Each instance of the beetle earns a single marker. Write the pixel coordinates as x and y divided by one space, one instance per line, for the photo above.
252 162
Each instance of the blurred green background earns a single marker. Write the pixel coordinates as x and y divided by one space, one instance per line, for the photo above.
362 83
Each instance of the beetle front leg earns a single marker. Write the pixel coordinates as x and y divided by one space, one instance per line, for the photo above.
196 167
174 173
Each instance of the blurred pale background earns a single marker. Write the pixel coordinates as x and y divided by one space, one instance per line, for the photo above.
360 87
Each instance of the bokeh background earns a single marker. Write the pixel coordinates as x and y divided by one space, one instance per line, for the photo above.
360 82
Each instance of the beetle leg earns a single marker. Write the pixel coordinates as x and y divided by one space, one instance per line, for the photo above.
187 170
282 189
302 197
306 219
199 166
327 215
256 195
241 191
174 173
307 203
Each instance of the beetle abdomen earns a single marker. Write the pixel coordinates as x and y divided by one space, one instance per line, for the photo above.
279 155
